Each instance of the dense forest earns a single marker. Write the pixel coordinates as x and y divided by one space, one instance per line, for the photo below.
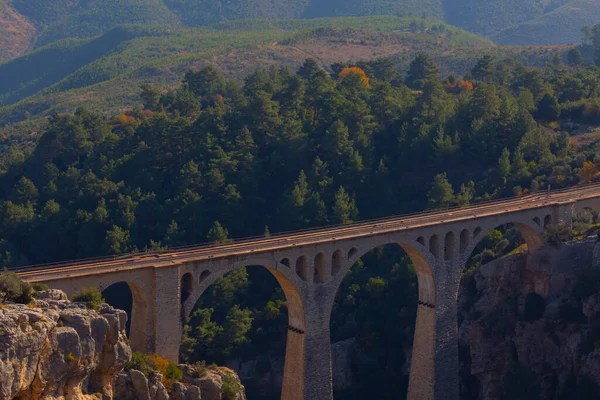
212 160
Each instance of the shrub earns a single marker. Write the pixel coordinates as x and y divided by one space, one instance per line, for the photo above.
556 234
140 362
173 372
38 287
147 364
13 288
92 297
230 388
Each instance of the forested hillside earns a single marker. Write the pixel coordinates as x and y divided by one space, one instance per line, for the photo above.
34 23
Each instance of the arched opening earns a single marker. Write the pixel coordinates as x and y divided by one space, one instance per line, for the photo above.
337 260
374 326
476 232
203 276
465 240
246 320
302 268
449 244
537 221
547 221
132 299
286 262
187 286
434 246
119 296
320 268
490 272
352 252
421 240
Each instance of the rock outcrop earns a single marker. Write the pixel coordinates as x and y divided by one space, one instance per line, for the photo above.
205 385
529 326
55 349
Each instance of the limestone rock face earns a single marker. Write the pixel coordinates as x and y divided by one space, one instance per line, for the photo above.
56 349
523 315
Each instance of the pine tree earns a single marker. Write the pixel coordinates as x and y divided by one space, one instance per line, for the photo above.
218 234
504 165
441 193
344 208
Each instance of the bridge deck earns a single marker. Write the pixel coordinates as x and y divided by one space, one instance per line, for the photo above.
314 236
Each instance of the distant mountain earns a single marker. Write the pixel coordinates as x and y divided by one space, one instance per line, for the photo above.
26 24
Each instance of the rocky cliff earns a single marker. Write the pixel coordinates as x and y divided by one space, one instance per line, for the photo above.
55 349
530 326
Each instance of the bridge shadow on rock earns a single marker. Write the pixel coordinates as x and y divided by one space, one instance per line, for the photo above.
372 326
240 321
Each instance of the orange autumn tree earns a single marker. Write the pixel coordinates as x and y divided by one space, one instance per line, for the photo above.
588 172
346 72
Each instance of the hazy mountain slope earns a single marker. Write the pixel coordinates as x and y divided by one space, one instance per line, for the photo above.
16 33
60 19
560 26
510 21
489 17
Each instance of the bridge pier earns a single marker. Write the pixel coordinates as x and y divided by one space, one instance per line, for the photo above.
165 313
318 384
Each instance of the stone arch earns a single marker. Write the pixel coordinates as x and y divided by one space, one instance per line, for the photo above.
421 240
293 379
205 274
547 220
352 252
449 244
302 268
434 245
286 262
476 232
187 286
537 221
531 233
320 268
139 318
422 367
337 261
465 240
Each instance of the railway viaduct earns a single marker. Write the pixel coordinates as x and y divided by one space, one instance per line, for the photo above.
310 267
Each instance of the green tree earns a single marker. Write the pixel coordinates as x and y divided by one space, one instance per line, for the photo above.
441 193
150 96
218 234
574 57
344 208
421 69
504 165
117 240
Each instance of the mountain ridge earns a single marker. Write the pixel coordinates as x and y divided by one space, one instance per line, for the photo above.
29 24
